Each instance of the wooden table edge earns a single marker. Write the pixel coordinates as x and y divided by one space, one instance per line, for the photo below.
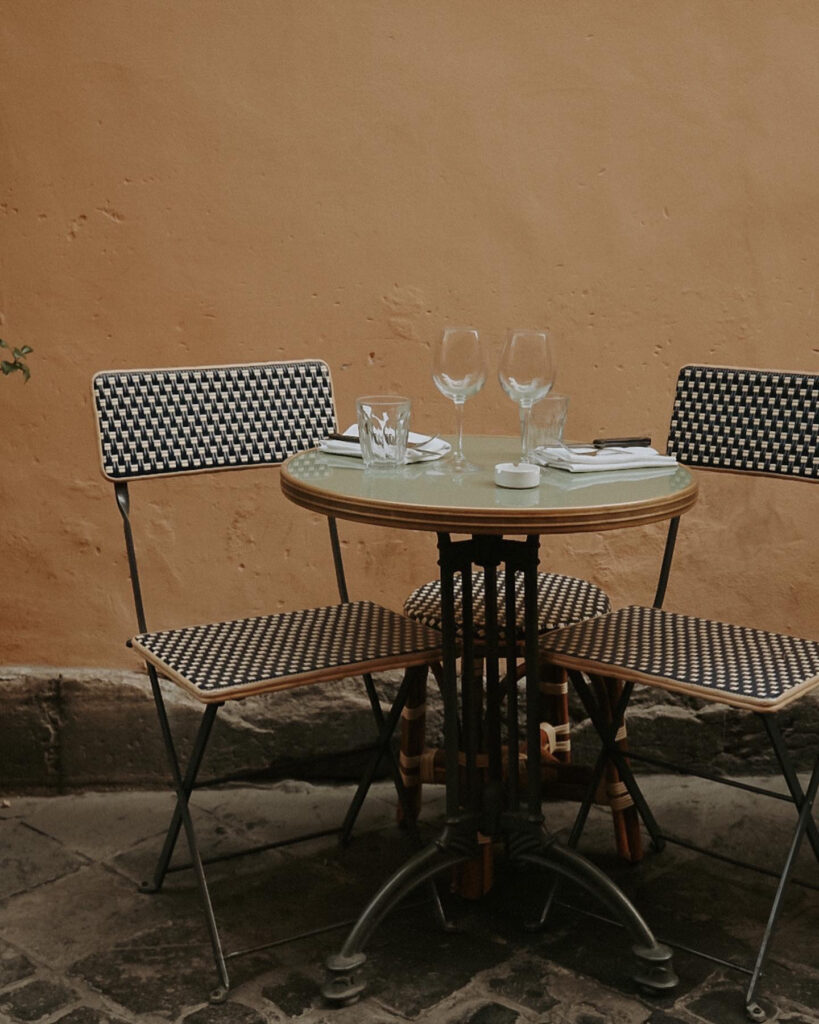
490 521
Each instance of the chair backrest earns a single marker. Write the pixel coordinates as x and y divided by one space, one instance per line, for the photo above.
752 421
193 420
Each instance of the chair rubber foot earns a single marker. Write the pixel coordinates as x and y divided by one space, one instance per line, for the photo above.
343 986
754 1012
218 994
655 973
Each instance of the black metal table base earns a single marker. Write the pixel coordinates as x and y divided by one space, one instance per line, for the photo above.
479 801
653 970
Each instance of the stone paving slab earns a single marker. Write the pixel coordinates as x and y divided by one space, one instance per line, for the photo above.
80 945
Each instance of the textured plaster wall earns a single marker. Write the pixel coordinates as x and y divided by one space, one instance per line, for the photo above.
200 181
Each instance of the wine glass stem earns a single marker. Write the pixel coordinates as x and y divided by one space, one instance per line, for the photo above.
459 430
525 416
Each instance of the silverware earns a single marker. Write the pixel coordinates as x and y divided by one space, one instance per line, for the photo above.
587 449
622 442
353 439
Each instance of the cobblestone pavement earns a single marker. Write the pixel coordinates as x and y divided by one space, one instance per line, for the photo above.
80 945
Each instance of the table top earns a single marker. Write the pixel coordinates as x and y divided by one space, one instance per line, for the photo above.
430 496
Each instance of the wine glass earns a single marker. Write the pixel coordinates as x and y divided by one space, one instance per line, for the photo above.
459 371
526 373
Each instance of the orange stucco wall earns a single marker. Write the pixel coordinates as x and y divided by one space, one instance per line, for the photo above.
199 181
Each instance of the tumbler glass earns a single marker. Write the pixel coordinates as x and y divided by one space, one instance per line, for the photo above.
383 426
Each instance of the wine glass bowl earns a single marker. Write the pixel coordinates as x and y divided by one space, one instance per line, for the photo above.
459 371
526 374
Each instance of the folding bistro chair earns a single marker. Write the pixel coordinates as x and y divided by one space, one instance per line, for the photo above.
740 421
170 422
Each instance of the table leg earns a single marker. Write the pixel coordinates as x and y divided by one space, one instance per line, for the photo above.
344 983
528 840
476 804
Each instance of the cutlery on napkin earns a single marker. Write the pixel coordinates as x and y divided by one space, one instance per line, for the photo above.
588 459
420 447
353 439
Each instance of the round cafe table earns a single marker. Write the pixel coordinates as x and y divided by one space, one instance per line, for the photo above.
499 527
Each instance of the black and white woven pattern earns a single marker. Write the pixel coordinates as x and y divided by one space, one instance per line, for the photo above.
222 660
155 422
561 600
752 420
715 660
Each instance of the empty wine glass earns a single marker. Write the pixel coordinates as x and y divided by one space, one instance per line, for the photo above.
459 371
526 373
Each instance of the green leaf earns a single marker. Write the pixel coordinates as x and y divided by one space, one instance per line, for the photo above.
24 351
6 367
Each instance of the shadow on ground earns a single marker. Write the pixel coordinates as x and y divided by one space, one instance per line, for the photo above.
80 945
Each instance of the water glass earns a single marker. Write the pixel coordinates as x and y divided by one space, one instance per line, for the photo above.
548 422
383 426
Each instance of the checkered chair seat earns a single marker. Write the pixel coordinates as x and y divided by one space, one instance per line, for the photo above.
226 660
561 601
715 661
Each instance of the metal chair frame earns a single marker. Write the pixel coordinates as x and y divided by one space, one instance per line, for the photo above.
149 462
782 451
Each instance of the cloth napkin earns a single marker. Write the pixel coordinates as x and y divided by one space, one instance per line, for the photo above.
435 450
588 459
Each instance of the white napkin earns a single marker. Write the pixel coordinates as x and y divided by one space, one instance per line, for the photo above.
588 459
436 449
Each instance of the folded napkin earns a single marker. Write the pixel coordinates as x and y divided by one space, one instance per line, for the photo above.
588 459
436 449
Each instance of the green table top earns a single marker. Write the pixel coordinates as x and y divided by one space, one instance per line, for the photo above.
430 496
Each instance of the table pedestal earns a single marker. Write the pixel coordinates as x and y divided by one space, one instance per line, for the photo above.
480 800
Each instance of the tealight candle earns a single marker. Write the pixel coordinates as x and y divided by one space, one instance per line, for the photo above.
517 474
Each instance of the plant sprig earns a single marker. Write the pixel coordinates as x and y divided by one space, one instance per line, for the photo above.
18 362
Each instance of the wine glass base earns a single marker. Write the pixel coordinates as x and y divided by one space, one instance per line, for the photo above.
460 464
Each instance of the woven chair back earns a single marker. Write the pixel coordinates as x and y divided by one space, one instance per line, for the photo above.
755 421
192 420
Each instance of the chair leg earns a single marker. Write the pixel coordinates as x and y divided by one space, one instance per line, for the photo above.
554 707
786 764
607 731
805 821
183 813
413 740
188 784
624 814
607 727
386 727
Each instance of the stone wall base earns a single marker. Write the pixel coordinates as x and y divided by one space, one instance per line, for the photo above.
97 729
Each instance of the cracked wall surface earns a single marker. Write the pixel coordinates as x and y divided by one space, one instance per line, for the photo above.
196 183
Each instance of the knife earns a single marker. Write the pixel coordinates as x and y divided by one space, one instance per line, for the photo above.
622 442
